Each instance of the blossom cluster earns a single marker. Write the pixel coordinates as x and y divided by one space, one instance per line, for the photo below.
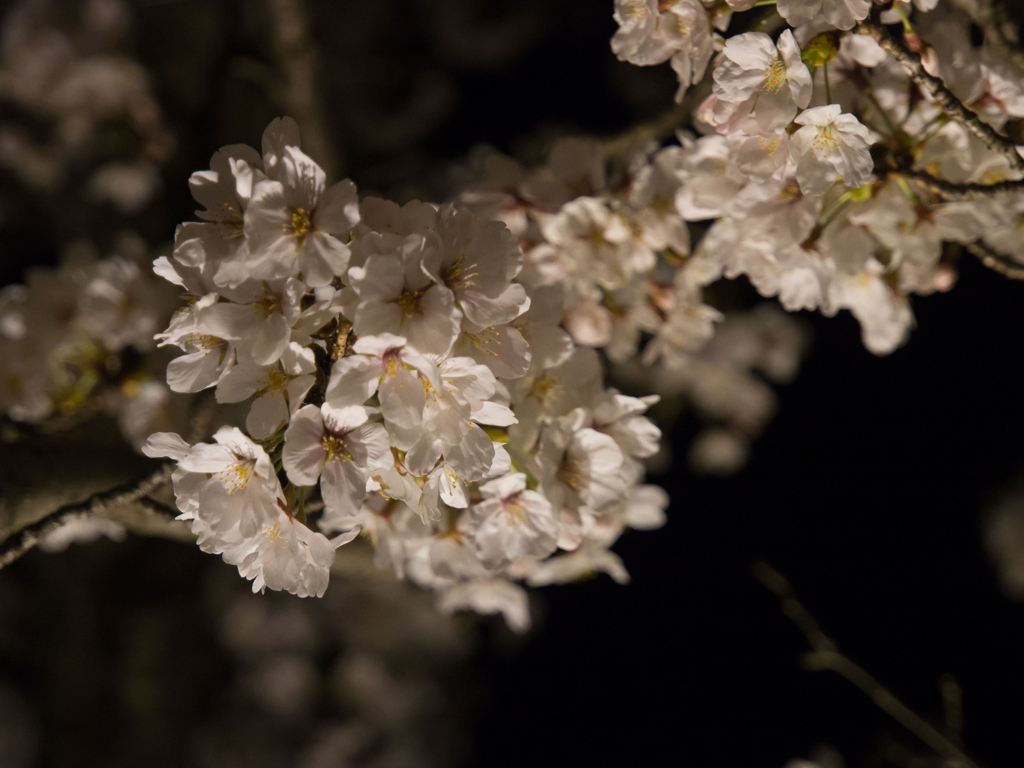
784 172
431 377
610 238
400 370
78 339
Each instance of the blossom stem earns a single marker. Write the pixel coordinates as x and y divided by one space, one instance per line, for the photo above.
520 466
907 26
824 655
869 94
300 512
996 261
828 89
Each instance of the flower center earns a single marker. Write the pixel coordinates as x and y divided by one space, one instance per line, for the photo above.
232 221
409 303
457 275
300 226
569 474
267 304
787 193
547 388
236 477
336 448
828 140
392 360
483 339
203 341
274 534
275 382
635 8
774 77
515 510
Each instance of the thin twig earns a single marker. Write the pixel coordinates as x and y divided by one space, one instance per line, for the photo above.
944 98
968 191
824 655
996 261
662 127
129 493
953 708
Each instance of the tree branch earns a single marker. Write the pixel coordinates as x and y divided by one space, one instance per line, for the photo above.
944 98
824 655
1004 265
947 190
21 542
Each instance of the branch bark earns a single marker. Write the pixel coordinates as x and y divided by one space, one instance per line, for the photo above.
825 655
996 261
949 191
944 98
108 501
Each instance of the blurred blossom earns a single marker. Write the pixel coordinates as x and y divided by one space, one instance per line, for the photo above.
64 69
1003 530
81 532
716 451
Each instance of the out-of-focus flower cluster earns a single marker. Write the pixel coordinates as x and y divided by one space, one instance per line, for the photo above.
78 110
399 371
389 694
372 675
78 340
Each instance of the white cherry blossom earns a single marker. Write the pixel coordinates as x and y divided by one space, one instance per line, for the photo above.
841 14
831 147
756 78
510 521
280 388
393 294
286 555
295 224
228 489
338 447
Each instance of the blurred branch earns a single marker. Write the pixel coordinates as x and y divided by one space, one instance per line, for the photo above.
953 708
110 501
297 57
944 98
657 130
996 261
824 655
661 127
968 191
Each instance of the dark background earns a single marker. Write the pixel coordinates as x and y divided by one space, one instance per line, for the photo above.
867 490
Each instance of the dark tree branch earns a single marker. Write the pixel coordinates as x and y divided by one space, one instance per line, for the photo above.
947 190
21 542
824 655
1004 265
944 98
